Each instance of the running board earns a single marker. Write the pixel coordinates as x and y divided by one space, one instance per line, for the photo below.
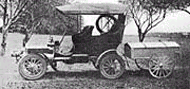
62 58
80 55
68 58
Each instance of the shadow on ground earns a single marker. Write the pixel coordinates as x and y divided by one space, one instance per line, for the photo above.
93 74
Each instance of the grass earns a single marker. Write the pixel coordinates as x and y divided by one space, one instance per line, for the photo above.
93 80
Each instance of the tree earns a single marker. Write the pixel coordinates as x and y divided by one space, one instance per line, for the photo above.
42 18
45 16
32 17
181 5
12 9
146 14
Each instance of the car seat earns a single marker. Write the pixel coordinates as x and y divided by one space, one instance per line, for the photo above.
78 41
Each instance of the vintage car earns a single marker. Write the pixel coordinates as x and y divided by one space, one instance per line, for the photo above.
105 51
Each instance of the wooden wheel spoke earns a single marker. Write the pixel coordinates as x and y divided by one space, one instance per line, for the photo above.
156 67
32 60
105 25
163 73
108 63
157 72
26 63
106 69
105 66
37 62
109 20
39 65
154 71
35 71
27 67
109 71
112 61
160 73
112 71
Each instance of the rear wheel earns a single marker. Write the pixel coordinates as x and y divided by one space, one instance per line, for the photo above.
32 67
112 66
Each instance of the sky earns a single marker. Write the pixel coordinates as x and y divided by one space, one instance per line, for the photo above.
174 22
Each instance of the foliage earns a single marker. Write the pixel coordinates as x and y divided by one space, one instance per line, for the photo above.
146 15
175 4
38 16
12 9
44 19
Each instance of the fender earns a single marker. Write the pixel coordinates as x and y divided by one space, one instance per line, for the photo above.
43 56
104 53
39 54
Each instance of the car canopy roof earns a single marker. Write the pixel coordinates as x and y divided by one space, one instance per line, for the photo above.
92 8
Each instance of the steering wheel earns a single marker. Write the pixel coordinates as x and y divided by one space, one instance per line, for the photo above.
104 23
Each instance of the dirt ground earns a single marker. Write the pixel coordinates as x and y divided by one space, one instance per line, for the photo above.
85 76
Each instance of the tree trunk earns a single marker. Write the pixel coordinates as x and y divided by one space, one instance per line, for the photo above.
140 34
3 44
4 36
141 37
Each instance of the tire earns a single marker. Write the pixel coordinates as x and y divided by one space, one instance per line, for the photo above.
108 66
34 64
161 65
97 22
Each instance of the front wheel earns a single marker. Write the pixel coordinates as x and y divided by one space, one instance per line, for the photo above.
32 67
112 66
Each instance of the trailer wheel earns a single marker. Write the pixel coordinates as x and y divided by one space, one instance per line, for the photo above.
112 66
32 67
161 65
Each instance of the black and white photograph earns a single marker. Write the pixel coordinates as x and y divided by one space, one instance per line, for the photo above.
95 44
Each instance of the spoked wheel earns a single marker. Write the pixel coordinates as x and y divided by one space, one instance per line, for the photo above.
32 67
112 66
161 65
104 23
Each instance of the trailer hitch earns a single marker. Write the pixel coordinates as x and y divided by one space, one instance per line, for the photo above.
17 55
